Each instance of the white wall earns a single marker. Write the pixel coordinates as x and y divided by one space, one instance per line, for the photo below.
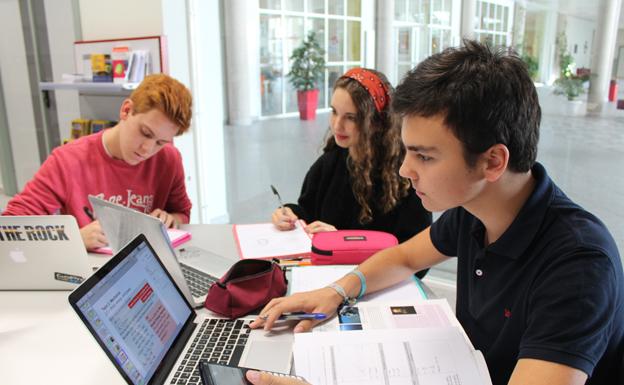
16 89
580 34
61 36
618 57
114 19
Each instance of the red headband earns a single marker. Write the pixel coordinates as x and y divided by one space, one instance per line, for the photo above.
371 82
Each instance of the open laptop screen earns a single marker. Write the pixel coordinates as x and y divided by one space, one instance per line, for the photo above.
135 311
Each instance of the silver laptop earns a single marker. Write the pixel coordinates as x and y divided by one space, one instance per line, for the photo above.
43 252
194 276
138 315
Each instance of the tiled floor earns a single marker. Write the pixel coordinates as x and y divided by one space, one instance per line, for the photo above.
583 155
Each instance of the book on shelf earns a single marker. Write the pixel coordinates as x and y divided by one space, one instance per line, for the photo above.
119 59
139 66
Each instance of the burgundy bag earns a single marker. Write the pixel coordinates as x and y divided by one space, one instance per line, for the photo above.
348 247
248 285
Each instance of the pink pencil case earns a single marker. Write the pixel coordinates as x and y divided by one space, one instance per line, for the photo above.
348 247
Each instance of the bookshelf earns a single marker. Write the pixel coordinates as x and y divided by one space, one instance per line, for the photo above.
75 96
89 88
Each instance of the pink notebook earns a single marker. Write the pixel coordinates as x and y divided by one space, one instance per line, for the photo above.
176 236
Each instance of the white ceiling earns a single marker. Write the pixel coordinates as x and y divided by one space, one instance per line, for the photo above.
582 9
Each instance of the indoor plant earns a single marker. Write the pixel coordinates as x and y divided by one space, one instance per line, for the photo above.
568 83
306 68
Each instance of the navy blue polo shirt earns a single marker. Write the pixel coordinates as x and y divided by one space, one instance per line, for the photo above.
550 288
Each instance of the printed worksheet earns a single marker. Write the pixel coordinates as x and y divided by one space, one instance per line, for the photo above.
435 356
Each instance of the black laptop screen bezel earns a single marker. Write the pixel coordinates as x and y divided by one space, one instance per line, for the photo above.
97 276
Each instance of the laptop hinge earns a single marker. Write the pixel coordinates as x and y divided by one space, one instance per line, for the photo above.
172 355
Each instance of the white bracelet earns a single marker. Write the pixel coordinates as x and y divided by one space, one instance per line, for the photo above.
346 300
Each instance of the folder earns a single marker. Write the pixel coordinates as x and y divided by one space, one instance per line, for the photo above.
176 236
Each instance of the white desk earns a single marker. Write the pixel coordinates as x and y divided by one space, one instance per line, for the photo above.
42 340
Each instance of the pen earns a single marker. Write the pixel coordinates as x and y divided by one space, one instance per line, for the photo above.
302 316
88 212
279 199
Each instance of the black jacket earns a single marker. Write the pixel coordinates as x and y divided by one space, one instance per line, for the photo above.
327 196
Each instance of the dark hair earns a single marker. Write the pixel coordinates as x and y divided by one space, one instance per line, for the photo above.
487 97
379 151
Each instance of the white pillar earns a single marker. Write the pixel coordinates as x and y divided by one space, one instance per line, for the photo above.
207 73
548 70
519 24
385 54
238 61
469 11
602 57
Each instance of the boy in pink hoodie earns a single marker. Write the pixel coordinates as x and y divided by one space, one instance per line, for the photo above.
133 164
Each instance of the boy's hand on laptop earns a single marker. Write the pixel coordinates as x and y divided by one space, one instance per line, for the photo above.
169 220
263 378
325 300
93 236
284 218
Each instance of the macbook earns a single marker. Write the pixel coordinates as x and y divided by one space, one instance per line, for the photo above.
41 253
138 315
194 276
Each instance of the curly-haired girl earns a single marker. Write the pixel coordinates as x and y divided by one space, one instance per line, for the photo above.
355 184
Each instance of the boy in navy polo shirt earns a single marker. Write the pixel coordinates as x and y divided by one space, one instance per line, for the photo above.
540 287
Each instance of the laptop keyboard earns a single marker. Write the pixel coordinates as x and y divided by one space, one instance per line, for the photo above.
198 281
218 340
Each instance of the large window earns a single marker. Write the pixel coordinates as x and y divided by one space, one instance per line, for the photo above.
422 28
283 26
494 22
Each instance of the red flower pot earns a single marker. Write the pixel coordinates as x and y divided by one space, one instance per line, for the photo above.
307 102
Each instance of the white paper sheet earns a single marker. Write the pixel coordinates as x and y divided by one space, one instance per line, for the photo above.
397 314
306 278
436 356
263 240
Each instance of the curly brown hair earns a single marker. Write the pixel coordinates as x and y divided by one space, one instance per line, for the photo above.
379 151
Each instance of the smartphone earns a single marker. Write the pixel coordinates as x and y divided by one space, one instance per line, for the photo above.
217 374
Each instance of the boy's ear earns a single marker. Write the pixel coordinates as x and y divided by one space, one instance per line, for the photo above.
496 159
126 109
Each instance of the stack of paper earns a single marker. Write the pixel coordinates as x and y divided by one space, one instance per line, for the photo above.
394 336
436 356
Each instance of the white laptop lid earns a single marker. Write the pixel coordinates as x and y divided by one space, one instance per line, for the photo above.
41 253
121 225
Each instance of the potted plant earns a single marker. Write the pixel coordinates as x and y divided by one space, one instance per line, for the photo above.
306 68
568 83
571 87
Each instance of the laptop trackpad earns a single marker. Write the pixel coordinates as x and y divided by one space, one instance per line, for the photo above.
272 353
